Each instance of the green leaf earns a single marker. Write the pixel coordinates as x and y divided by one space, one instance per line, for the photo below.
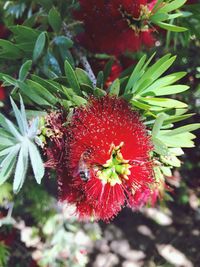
179 140
39 46
43 92
36 162
83 77
53 87
63 41
140 105
8 79
160 147
164 81
171 27
24 70
21 167
171 160
177 118
173 5
186 128
79 101
164 102
54 19
13 130
166 171
99 92
51 66
157 5
176 151
115 88
9 50
5 194
33 129
158 124
71 78
135 74
7 165
24 34
159 17
22 144
154 72
100 80
19 118
167 90
32 94
23 113
6 140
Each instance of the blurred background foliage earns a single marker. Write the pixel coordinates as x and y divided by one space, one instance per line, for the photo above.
35 230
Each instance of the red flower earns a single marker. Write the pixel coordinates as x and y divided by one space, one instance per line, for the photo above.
115 26
105 163
8 238
114 73
2 93
33 264
189 2
3 31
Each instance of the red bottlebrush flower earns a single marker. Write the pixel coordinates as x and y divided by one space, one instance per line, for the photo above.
115 26
2 93
105 164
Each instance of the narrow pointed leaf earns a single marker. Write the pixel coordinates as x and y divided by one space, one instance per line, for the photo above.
24 70
36 162
18 117
39 46
21 167
7 165
186 128
164 102
158 124
168 7
23 113
115 88
171 27
71 78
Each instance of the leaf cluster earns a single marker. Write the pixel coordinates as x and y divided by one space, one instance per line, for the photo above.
17 147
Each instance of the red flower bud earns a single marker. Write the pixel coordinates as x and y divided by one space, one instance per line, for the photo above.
2 93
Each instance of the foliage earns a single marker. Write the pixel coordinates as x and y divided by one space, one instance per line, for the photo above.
17 147
45 69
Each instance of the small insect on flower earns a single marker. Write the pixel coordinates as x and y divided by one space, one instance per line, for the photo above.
84 169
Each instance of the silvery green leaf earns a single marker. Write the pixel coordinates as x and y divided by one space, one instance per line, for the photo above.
36 162
32 131
160 147
18 117
158 124
21 167
23 113
13 130
8 150
7 164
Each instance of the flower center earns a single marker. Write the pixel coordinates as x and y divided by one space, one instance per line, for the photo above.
136 24
116 168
